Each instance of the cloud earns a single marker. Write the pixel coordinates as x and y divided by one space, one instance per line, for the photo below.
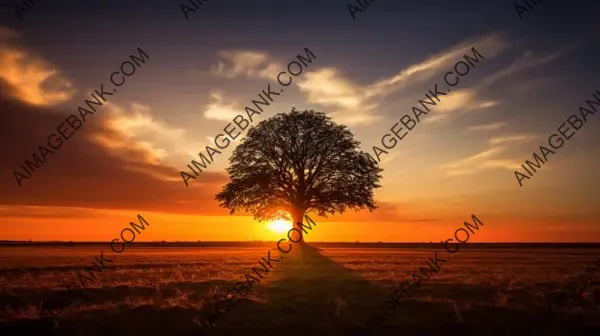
239 63
328 87
490 45
488 158
31 78
533 84
475 158
527 61
486 104
217 109
464 101
480 162
350 103
435 118
487 127
354 117
7 34
211 141
461 101
386 159
356 104
86 173
456 100
511 138
135 126
324 86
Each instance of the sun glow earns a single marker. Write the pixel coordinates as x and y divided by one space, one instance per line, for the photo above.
280 225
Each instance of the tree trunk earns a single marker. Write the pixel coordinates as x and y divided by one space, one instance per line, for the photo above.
297 235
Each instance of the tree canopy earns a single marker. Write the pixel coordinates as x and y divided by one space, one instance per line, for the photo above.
299 162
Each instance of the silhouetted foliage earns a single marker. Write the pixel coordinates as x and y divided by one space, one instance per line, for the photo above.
299 162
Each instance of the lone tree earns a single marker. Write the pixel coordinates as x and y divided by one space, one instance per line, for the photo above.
299 162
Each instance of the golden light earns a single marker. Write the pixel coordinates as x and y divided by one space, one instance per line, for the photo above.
280 225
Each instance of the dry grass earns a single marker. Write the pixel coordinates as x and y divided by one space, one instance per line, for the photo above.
161 291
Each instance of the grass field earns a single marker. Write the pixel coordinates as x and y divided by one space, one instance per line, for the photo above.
163 291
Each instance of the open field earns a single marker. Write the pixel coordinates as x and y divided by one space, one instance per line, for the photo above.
160 291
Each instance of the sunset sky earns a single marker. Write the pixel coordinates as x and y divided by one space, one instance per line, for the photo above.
368 72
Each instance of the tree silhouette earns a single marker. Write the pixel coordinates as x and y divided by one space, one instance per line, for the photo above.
299 162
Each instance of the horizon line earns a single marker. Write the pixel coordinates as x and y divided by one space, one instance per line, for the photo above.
273 241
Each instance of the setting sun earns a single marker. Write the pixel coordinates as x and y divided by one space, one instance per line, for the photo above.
280 225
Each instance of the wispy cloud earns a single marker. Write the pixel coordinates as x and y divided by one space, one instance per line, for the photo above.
487 127
7 34
332 88
511 138
248 63
352 103
482 161
525 62
533 84
435 118
135 126
465 100
355 104
491 45
460 101
218 109
31 78
328 87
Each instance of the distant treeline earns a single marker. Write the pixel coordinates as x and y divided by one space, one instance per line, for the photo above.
163 244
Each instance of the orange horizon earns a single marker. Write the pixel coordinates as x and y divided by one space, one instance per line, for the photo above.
101 226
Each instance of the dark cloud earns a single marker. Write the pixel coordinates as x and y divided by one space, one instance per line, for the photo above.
83 173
